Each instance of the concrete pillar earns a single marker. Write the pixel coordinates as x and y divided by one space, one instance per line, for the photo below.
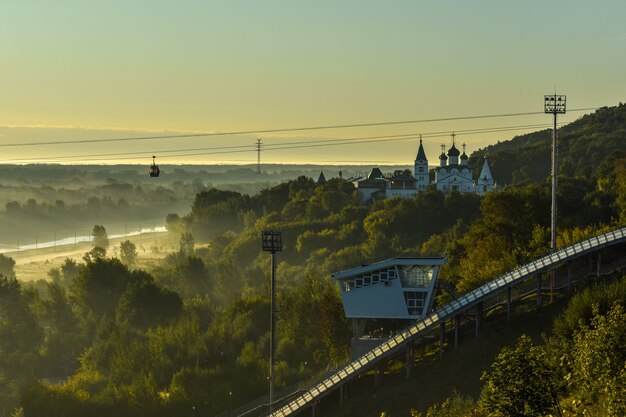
599 264
478 311
552 278
377 375
457 325
539 290
340 396
442 336
569 277
409 362
508 303
313 410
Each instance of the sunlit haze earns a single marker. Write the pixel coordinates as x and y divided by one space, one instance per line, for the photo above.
105 70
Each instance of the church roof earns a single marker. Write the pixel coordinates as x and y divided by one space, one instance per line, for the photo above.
375 173
485 173
460 168
421 155
322 178
402 176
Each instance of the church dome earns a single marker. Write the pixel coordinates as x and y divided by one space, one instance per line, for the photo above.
464 156
443 156
453 151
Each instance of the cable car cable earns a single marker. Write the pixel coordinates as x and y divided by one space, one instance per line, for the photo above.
293 129
311 144
268 146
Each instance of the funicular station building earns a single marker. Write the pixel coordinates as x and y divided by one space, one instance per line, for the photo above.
397 288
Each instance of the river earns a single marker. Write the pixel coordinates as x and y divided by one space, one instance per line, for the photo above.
72 240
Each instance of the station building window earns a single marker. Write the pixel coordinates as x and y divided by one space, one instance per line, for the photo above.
416 276
370 278
415 302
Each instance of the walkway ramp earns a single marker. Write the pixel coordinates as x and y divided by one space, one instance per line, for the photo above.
493 288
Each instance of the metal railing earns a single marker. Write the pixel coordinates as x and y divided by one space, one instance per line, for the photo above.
447 312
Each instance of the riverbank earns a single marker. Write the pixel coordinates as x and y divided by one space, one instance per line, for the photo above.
34 264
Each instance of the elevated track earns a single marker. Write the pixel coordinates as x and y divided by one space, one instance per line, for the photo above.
425 325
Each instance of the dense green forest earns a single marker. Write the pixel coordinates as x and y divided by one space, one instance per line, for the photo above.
587 147
190 336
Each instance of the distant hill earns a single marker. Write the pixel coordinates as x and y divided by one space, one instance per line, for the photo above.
586 148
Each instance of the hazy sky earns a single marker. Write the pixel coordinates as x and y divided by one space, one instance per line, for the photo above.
109 69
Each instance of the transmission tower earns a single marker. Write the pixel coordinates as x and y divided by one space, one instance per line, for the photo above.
258 156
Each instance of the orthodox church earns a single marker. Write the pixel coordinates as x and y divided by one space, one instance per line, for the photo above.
452 174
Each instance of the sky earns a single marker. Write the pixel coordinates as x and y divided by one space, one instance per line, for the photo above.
92 70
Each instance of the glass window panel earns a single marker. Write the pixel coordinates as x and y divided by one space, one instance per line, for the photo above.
416 276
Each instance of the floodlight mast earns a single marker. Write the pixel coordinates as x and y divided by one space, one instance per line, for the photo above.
272 242
554 104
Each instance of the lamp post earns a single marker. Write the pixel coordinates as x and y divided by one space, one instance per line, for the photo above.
553 104
272 242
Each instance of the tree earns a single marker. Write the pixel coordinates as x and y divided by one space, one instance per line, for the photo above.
128 252
598 360
94 254
520 383
217 211
20 339
188 276
620 175
100 285
100 237
19 330
64 339
334 329
70 270
186 244
7 265
454 406
144 304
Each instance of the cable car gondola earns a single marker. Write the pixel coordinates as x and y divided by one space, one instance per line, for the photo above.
154 169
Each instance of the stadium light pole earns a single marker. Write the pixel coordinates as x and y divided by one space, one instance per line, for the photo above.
553 104
272 242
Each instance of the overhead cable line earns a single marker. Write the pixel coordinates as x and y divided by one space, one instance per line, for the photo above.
355 142
314 144
270 146
292 129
